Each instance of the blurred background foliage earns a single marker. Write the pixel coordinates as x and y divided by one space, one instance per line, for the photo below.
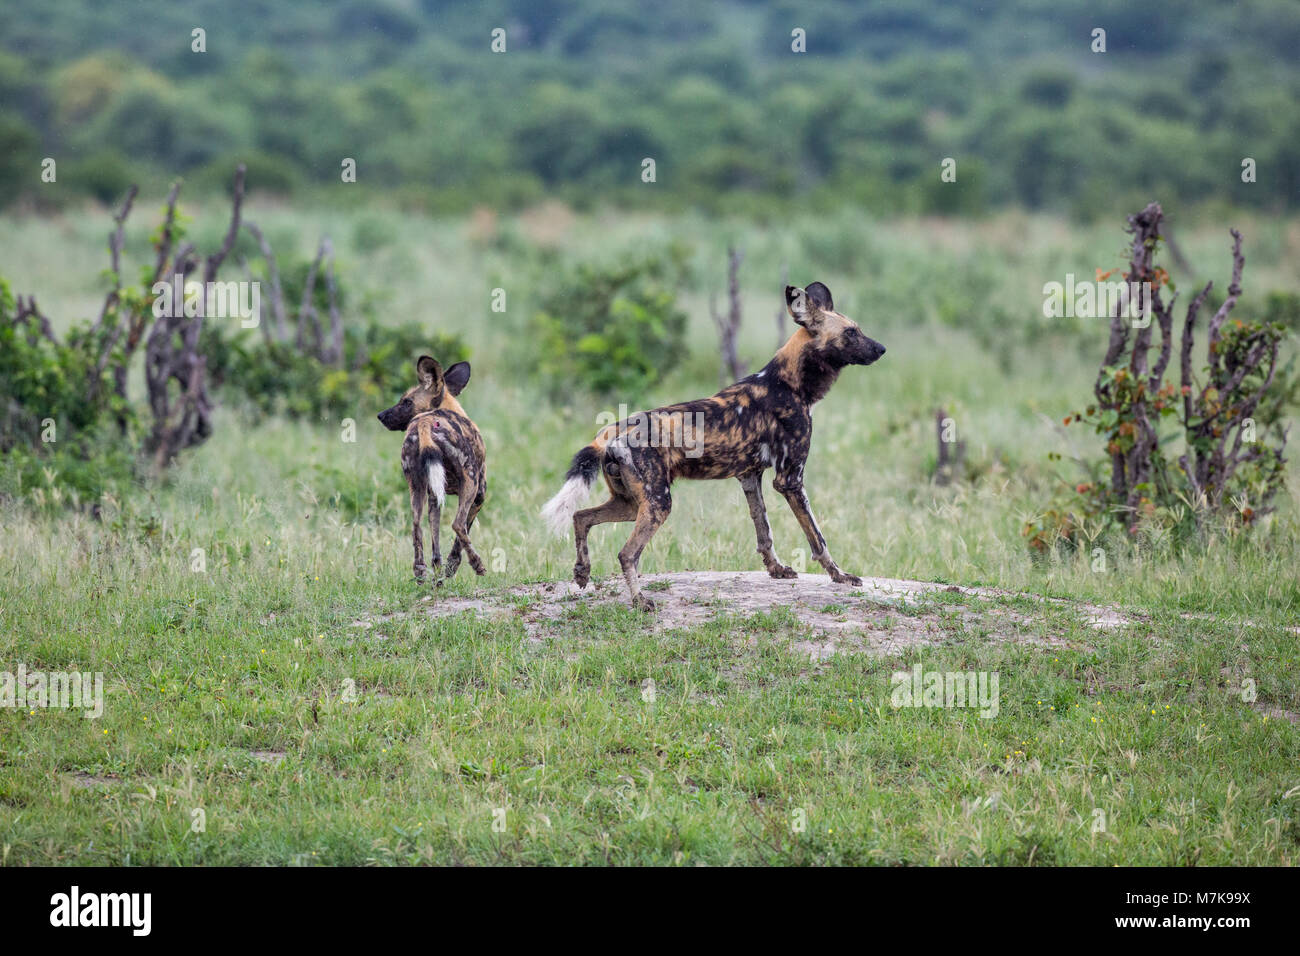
588 88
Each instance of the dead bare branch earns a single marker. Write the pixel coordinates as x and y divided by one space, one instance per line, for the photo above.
335 356
728 326
273 276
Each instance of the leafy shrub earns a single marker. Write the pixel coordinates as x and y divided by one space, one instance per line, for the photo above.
53 435
372 233
612 329
267 173
105 174
1229 415
19 155
275 377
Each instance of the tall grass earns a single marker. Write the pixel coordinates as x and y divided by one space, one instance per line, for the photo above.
304 540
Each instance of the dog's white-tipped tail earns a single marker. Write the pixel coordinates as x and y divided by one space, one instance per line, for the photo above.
558 512
437 482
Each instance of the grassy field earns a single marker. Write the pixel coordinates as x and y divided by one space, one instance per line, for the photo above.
248 691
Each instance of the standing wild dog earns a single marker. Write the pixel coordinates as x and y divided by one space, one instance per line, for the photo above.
763 421
441 455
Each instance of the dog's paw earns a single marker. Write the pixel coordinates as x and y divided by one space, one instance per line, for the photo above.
581 574
850 579
781 571
643 603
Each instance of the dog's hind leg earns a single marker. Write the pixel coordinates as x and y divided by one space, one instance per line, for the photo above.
648 485
753 485
435 548
642 479
418 492
616 509
453 559
460 524
432 475
651 513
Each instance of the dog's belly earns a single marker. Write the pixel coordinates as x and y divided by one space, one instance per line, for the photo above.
727 463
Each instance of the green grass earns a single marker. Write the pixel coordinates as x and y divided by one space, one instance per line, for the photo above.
400 740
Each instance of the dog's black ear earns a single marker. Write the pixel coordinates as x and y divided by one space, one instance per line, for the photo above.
428 371
820 297
457 377
803 308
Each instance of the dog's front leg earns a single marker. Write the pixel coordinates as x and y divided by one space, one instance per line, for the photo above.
792 488
753 485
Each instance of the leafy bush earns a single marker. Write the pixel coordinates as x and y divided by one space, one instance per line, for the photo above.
53 435
105 174
19 155
372 233
278 378
267 173
1229 415
612 329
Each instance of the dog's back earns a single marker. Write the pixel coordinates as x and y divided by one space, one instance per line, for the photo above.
440 448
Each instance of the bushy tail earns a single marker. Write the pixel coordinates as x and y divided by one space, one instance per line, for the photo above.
558 512
432 466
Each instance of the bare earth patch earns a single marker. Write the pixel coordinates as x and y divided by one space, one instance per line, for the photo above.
883 616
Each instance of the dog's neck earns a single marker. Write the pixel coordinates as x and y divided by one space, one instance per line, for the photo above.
803 368
450 404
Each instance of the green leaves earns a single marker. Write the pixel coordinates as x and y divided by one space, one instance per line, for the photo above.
274 377
613 330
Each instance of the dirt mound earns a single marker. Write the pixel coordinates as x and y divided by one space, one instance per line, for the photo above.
882 616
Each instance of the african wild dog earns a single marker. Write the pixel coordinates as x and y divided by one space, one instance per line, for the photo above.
441 455
763 421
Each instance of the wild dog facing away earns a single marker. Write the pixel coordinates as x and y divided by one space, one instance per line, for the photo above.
442 455
763 421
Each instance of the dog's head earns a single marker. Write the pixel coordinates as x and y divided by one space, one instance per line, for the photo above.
431 390
835 338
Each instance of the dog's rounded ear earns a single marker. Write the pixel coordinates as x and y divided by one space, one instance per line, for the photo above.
803 308
428 371
457 377
820 297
